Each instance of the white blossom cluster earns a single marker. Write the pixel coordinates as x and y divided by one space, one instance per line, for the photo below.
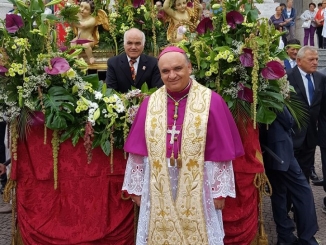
92 108
238 47
132 112
233 89
133 94
284 86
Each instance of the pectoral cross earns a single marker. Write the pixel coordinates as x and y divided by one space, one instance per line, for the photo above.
173 131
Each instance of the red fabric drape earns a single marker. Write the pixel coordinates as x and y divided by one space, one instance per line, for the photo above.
61 32
85 209
240 215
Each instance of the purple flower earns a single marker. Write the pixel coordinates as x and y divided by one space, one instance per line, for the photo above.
3 70
141 22
245 94
247 58
13 22
81 41
190 4
59 66
273 70
205 25
138 3
233 18
63 48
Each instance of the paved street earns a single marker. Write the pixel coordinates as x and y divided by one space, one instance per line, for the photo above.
5 219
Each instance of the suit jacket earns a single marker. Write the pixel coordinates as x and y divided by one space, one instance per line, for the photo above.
322 117
118 75
277 137
308 134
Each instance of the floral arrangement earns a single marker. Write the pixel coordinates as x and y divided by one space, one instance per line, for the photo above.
36 76
236 54
124 15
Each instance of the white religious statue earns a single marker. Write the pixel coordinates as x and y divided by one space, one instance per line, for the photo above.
181 18
87 29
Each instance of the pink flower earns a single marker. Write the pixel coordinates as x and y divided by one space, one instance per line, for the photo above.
58 66
13 22
247 58
81 41
273 70
205 25
3 70
245 94
138 3
233 18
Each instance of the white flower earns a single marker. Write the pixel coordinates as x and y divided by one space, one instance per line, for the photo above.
98 95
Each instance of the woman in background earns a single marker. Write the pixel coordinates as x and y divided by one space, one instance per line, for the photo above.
307 15
279 22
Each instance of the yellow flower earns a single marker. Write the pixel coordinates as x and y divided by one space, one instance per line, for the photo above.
20 72
208 73
26 79
71 73
14 46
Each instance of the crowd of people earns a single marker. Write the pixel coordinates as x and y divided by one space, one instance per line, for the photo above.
199 155
313 18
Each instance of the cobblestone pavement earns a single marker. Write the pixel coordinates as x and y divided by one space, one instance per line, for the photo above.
319 194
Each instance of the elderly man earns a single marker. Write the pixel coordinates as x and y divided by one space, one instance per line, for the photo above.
309 88
132 68
181 147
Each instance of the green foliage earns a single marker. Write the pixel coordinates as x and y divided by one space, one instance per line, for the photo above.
215 56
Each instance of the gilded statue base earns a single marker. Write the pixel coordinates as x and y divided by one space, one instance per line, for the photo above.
101 58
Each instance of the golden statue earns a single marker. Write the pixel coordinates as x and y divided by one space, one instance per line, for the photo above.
181 18
87 28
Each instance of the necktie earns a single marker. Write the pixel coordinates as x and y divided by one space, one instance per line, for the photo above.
132 69
311 89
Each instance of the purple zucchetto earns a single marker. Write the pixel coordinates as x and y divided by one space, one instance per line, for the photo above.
171 49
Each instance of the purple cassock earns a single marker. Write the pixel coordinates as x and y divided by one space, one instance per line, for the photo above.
223 142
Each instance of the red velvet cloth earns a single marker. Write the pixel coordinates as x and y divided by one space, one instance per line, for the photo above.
240 215
61 32
85 209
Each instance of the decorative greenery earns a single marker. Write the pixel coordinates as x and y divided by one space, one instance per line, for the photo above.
41 78
124 15
236 54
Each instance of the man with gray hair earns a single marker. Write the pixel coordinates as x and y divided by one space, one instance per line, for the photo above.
132 68
309 88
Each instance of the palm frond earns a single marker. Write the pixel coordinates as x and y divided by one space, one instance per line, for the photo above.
24 122
298 111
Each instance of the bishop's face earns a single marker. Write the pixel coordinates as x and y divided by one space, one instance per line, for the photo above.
175 71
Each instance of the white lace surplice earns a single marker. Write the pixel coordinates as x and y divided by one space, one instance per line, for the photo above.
218 182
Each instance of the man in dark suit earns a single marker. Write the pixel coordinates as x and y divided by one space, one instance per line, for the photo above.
309 87
286 177
132 68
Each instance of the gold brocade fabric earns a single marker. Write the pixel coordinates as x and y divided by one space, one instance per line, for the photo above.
180 221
